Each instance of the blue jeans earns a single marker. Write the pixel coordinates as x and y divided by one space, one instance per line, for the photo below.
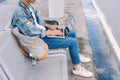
70 41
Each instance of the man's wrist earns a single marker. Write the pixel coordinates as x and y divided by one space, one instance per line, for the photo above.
47 25
47 33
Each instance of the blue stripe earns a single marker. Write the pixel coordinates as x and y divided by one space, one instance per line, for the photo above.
2 0
106 64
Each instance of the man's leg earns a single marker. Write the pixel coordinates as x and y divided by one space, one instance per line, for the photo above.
82 57
72 34
70 42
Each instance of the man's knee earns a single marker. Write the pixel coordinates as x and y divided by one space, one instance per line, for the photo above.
74 41
72 34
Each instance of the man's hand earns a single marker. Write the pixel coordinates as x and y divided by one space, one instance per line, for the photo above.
52 27
54 33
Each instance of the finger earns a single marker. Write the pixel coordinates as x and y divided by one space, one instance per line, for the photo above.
59 27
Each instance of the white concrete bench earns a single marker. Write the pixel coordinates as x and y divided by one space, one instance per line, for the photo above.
15 66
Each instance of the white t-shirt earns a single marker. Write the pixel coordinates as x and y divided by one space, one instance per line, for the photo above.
35 20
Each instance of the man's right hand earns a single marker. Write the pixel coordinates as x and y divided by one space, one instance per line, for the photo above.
54 33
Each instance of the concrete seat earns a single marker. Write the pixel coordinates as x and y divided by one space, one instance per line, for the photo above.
17 67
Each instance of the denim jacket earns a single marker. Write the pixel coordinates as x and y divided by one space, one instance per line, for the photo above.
22 14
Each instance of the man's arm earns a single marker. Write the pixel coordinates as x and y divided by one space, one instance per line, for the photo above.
52 27
41 22
54 32
26 26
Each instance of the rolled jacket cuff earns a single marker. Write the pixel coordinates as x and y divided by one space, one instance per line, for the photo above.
43 33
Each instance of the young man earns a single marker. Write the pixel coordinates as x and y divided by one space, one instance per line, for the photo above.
26 19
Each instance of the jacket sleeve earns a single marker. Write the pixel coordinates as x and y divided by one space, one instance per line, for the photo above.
39 20
28 29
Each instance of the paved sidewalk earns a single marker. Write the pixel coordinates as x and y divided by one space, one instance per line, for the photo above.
72 8
6 10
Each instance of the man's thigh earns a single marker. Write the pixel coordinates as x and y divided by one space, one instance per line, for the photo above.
59 42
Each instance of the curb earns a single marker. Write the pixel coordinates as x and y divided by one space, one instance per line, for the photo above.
108 32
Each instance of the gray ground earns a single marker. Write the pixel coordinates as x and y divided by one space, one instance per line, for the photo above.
6 10
72 8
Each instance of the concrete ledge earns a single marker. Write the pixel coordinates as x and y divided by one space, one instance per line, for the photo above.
108 32
18 67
